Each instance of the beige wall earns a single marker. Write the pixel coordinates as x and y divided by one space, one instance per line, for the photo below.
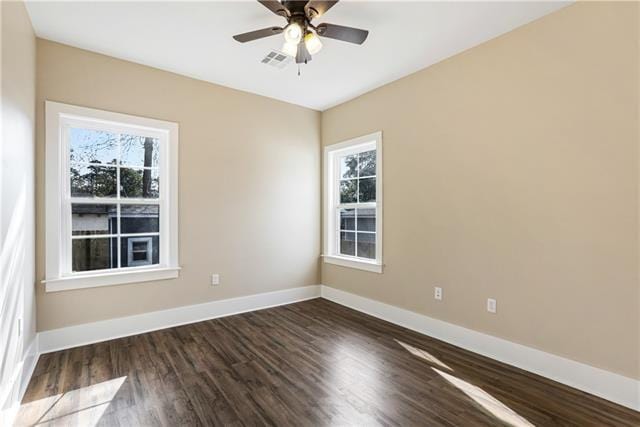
511 171
249 179
17 199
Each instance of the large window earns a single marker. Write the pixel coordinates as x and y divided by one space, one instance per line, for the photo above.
353 203
111 188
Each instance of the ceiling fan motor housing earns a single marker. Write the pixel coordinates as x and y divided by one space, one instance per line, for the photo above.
295 7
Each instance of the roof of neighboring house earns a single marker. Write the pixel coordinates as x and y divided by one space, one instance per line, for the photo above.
109 209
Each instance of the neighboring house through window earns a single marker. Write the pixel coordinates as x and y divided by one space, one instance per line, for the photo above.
111 198
353 203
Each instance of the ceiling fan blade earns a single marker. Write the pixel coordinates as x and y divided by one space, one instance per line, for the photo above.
276 7
303 56
339 32
317 8
258 34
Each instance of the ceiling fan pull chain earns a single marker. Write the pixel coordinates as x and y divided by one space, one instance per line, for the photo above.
298 70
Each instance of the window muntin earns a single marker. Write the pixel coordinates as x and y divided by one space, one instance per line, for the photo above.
352 199
110 174
357 203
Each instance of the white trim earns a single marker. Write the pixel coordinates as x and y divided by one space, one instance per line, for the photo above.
12 394
111 278
607 385
58 117
330 200
89 333
354 262
30 362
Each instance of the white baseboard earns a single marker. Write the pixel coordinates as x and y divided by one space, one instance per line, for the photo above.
30 362
614 387
89 333
11 397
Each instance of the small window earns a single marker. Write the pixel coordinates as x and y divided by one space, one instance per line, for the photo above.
140 251
111 198
353 203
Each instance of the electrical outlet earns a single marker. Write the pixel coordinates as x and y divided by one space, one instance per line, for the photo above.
215 279
492 305
437 294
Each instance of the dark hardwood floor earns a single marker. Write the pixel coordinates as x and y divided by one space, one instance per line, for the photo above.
310 363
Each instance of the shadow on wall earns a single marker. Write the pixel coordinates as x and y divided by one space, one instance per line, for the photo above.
12 277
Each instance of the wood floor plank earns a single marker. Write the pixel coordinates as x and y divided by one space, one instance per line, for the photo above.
312 363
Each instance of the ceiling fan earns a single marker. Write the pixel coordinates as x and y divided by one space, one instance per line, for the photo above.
301 36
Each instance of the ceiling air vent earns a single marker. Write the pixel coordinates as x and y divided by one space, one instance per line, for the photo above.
276 59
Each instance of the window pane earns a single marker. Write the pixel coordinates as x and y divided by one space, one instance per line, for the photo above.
348 191
93 181
367 190
92 146
139 218
139 251
367 245
367 163
347 219
94 254
141 183
91 219
139 150
349 167
347 243
366 220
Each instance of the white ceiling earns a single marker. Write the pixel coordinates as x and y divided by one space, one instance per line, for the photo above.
194 39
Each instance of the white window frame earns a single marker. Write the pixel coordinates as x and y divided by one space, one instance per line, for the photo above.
58 119
331 201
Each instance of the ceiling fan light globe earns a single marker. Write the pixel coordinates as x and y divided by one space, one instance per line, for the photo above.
293 33
313 43
290 49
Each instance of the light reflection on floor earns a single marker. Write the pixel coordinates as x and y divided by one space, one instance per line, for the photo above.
489 403
423 354
496 408
362 393
80 407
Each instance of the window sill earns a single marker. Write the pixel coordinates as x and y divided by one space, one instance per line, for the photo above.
110 279
371 266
